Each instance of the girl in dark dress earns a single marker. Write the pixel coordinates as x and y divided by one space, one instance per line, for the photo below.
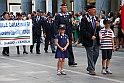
62 43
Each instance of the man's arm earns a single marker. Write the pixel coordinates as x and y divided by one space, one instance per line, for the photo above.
84 30
44 27
56 24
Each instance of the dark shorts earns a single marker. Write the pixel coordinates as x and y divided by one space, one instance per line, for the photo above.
120 34
106 53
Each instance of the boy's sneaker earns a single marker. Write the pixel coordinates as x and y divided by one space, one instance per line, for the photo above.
103 71
108 71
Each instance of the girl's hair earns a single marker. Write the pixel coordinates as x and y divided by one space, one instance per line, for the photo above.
76 14
117 14
111 14
103 11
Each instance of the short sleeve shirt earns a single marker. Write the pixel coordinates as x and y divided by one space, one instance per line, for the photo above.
107 36
62 40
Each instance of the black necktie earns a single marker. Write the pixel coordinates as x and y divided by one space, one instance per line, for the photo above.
93 22
37 18
50 22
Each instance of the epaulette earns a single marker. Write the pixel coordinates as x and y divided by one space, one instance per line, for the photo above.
60 14
88 19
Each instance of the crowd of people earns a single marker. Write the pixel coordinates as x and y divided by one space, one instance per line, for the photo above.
65 28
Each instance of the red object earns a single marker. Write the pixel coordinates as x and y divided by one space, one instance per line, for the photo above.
122 13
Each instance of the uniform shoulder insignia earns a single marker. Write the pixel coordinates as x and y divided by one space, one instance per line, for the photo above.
88 19
60 14
94 17
68 13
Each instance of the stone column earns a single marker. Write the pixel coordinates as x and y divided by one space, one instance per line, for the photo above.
58 5
3 6
103 5
40 4
113 7
49 6
79 5
26 6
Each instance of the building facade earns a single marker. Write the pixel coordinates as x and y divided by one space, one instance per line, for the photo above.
54 5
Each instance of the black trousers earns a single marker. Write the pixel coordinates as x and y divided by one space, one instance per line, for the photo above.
70 51
5 50
24 48
52 44
36 39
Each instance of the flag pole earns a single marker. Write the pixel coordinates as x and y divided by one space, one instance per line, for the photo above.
122 14
101 7
99 14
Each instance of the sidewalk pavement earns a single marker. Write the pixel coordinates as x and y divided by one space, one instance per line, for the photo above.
41 68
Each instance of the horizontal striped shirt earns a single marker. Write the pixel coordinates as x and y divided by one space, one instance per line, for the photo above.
106 38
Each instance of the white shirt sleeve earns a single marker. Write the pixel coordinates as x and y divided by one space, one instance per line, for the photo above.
113 35
117 19
100 33
101 23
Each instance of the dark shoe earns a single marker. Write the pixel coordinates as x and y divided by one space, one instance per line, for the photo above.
25 52
7 54
31 51
38 53
92 73
72 64
53 52
46 51
3 54
18 52
87 69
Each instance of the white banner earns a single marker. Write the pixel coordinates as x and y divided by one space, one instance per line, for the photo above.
15 33
122 2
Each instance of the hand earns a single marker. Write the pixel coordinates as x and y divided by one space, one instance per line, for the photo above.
97 24
73 22
93 38
113 49
114 23
100 38
62 49
44 35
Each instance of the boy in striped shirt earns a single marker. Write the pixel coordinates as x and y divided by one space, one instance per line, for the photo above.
107 45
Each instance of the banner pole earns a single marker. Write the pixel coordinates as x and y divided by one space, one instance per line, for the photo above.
122 14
